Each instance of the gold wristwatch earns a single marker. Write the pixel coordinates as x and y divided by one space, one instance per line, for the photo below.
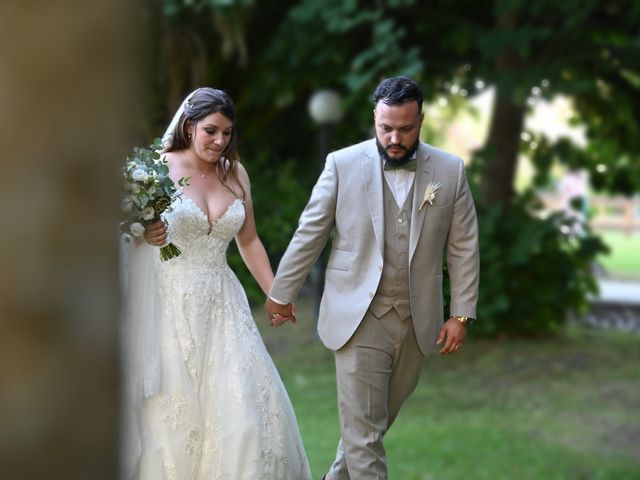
466 321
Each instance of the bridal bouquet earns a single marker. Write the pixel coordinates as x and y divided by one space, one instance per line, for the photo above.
148 192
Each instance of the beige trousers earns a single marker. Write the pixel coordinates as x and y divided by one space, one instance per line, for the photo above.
376 371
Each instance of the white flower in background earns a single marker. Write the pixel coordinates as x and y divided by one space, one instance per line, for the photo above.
135 188
430 194
148 213
127 205
137 230
139 175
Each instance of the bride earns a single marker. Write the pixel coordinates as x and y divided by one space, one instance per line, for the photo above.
202 397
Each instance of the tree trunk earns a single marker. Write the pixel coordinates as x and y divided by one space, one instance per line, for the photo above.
502 157
503 144
64 129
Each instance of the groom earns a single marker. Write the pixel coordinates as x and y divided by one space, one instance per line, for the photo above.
396 205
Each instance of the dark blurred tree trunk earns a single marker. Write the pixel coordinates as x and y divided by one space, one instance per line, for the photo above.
504 139
151 104
186 61
185 50
176 63
506 126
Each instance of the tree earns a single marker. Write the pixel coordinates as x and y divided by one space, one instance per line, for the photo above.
271 55
589 50
544 48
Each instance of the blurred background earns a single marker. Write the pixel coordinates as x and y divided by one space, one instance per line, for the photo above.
541 99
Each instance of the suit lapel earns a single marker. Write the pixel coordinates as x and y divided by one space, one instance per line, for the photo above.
372 177
424 176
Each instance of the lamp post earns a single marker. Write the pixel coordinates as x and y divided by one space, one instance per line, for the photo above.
325 109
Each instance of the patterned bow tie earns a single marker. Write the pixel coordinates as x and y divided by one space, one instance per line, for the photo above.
410 165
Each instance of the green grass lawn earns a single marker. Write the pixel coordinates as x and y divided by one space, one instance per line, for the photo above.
624 259
559 409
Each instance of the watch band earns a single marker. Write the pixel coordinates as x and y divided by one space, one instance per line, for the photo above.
466 321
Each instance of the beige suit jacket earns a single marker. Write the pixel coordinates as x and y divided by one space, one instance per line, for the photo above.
348 200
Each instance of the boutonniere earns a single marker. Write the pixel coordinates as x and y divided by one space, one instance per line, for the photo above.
429 194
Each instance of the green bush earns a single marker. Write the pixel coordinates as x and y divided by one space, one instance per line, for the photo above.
278 199
534 269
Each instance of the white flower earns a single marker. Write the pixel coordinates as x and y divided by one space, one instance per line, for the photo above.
127 205
139 175
430 194
136 229
148 213
135 188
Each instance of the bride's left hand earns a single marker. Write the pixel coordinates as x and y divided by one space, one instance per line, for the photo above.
156 233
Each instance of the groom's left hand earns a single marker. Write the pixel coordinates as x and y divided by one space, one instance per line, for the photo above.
454 332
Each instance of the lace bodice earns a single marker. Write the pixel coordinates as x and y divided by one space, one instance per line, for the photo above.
219 410
202 244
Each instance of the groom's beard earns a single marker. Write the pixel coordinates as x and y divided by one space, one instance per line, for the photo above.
396 161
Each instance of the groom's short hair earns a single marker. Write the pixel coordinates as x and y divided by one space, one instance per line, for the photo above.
398 91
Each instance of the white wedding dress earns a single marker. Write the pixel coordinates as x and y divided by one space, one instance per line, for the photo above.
204 398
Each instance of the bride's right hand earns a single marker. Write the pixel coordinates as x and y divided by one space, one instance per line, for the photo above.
156 233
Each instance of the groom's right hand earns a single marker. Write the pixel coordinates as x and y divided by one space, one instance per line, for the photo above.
279 313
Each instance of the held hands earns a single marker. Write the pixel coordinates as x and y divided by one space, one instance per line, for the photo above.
156 233
279 314
454 332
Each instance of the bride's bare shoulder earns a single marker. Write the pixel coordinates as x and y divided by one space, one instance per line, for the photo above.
242 172
172 158
175 161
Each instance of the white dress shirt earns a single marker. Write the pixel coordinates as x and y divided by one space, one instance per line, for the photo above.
399 182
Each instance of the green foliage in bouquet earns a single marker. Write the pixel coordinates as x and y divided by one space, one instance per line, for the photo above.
148 192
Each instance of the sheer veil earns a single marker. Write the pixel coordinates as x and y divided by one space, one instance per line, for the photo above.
140 343
174 121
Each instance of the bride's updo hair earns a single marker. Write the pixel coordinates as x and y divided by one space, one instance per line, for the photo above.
201 103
